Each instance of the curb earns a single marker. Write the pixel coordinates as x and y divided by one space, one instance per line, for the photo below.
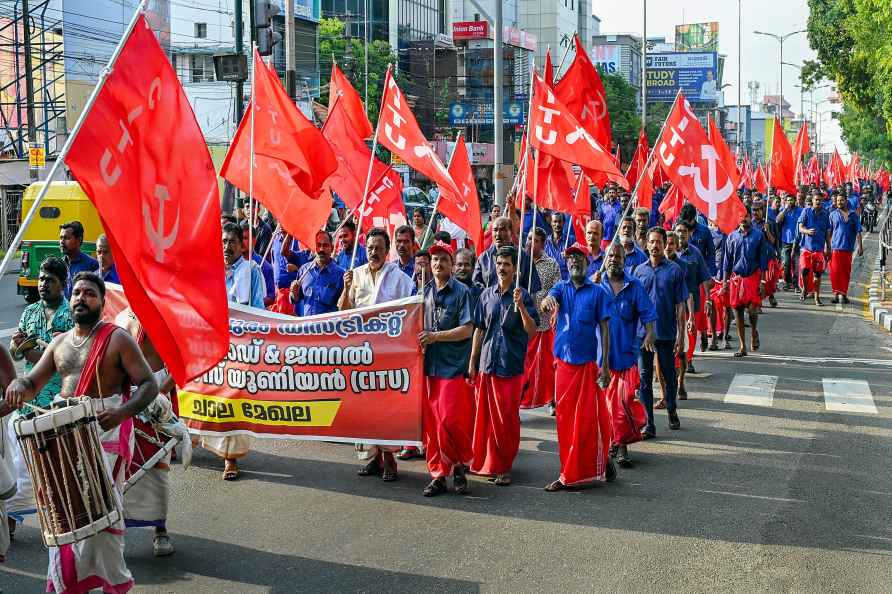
882 316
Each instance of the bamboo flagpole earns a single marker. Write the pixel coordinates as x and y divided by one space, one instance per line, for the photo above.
430 223
251 170
523 192
570 223
60 158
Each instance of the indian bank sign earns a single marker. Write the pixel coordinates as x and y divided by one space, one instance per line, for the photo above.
470 30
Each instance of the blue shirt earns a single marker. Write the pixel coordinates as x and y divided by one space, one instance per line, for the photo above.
319 288
298 257
634 259
790 227
255 292
718 241
485 270
696 273
111 275
81 262
555 251
701 238
820 222
409 268
854 202
580 311
528 224
505 341
446 309
266 269
745 254
631 308
666 288
609 213
844 231
343 258
594 264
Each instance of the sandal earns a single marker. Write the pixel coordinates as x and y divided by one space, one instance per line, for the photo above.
459 480
436 487
740 354
502 480
682 394
372 468
661 404
230 471
161 545
555 486
388 475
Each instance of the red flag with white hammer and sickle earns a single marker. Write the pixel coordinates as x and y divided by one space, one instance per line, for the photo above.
691 162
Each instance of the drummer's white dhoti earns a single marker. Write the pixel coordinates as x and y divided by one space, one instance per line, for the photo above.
22 503
98 561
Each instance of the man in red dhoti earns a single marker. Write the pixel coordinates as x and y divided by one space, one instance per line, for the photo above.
448 409
538 379
112 363
507 319
814 226
582 310
845 232
631 308
745 263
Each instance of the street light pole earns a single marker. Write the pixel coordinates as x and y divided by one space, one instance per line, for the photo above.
780 39
498 128
739 75
644 65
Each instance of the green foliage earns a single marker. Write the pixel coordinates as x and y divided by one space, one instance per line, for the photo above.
349 54
624 119
853 40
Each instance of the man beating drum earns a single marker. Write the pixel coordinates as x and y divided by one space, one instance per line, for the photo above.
100 360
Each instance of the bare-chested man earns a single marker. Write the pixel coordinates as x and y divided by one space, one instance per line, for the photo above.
93 352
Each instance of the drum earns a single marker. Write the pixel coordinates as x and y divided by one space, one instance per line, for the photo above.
64 456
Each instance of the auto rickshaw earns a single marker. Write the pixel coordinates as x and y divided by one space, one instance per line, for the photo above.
64 202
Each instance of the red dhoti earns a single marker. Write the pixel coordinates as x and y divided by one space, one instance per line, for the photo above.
496 424
701 320
814 263
448 424
538 378
583 426
627 414
771 277
840 271
719 300
744 290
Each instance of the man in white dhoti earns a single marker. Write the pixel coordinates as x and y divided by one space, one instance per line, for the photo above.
376 282
7 466
99 360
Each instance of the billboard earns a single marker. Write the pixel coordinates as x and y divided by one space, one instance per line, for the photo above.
470 30
697 37
694 73
606 58
466 113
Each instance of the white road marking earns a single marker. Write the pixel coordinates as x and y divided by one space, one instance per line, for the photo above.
793 359
6 332
848 395
752 389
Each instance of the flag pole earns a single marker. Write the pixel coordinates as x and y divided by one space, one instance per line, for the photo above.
430 223
564 58
60 158
575 195
251 171
523 190
368 177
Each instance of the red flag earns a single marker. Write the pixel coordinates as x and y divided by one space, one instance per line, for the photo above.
384 206
341 91
782 170
686 155
728 160
834 174
556 132
582 207
759 182
467 213
582 91
141 158
800 149
671 204
617 158
812 174
548 72
746 173
353 157
638 159
853 172
883 178
401 135
645 195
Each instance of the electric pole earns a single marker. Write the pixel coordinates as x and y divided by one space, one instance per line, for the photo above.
497 107
29 84
240 50
290 56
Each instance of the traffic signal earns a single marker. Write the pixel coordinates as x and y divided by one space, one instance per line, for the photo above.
266 38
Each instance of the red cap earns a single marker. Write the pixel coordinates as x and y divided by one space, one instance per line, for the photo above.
577 248
441 247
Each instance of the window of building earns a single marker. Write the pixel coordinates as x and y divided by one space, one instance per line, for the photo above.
201 67
201 30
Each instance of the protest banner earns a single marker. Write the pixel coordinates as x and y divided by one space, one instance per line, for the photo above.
350 376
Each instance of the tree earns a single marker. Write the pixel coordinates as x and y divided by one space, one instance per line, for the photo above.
349 54
625 122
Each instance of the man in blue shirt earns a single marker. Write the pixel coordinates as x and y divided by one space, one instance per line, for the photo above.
665 285
507 320
845 226
555 242
319 283
631 308
609 212
404 241
582 311
106 261
699 283
700 237
346 239
814 225
594 235
485 271
448 405
743 276
788 225
244 281
71 237
464 271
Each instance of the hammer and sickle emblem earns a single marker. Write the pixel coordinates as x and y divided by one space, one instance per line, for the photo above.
597 107
160 241
711 194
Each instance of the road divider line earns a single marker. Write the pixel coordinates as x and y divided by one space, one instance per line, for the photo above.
848 395
752 389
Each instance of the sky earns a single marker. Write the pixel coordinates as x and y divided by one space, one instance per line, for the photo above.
760 54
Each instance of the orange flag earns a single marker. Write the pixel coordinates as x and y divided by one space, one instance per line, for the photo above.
715 137
341 91
781 169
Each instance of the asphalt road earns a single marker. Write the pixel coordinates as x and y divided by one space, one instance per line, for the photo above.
773 484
